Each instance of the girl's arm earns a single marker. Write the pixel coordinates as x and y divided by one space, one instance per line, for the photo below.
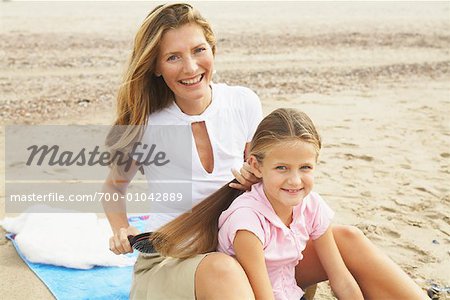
341 280
250 254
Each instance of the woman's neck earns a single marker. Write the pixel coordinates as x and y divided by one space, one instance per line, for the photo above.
195 107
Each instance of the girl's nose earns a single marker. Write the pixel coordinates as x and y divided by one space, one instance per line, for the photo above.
295 178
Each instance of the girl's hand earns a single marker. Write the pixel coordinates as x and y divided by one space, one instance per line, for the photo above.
245 177
119 243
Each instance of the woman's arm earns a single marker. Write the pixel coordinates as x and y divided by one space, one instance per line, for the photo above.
341 280
250 255
116 211
245 176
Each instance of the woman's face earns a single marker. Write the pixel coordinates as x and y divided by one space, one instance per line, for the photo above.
186 63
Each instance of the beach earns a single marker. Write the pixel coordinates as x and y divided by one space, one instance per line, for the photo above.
373 76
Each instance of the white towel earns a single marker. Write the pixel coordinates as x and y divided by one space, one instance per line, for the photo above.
73 240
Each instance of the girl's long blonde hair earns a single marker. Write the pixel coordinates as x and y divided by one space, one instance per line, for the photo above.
196 232
142 92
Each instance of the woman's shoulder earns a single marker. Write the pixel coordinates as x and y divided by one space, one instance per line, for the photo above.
237 93
167 116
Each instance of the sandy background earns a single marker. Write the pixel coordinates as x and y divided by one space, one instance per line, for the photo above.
373 76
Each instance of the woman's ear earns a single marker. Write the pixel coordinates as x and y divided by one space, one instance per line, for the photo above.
255 166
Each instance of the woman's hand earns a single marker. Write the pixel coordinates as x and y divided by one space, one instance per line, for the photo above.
245 177
119 243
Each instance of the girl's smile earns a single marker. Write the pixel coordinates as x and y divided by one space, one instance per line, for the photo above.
292 191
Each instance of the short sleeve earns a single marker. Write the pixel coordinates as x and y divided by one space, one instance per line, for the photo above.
240 219
320 216
253 112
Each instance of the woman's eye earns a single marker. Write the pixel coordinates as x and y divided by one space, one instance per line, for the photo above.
172 58
306 168
281 168
199 50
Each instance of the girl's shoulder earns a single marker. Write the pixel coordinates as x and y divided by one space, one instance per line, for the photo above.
316 213
245 213
254 203
311 204
246 203
313 199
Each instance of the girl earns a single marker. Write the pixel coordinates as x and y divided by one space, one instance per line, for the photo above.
267 228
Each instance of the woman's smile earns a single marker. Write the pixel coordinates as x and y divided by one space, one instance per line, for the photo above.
186 63
192 81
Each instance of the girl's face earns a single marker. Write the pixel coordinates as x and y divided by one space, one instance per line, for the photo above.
287 172
186 63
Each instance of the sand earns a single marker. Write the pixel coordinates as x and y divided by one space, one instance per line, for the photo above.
373 76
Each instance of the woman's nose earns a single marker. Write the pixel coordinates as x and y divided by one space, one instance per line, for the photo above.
190 65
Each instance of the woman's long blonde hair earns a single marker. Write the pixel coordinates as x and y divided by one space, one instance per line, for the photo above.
196 232
142 92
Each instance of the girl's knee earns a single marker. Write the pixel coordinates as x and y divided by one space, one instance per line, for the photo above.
347 233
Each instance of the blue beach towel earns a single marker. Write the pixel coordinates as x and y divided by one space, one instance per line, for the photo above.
96 283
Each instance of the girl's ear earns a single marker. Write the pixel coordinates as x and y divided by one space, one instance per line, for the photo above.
255 166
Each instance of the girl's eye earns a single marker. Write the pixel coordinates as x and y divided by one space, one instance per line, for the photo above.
306 168
281 168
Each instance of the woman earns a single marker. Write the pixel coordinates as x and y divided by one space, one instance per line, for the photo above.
168 82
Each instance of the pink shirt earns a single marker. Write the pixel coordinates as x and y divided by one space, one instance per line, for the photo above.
282 245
